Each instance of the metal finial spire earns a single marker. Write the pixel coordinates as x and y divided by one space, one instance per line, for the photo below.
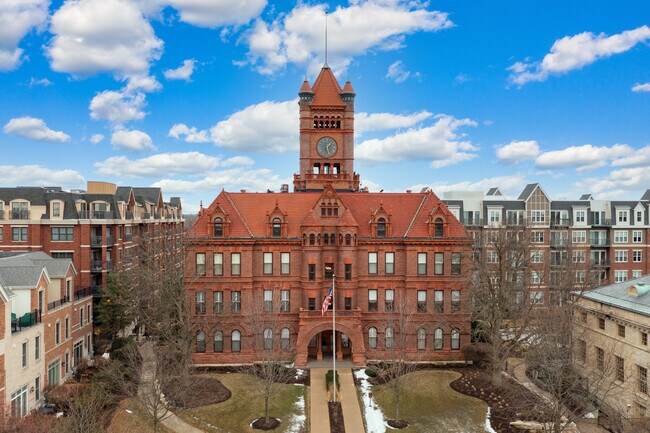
325 39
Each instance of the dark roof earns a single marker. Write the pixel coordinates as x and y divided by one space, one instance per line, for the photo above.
175 201
617 295
527 191
586 197
151 195
646 195
494 191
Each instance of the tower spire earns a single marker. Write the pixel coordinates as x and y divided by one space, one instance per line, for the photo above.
325 65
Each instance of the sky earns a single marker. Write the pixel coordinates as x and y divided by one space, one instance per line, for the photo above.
195 96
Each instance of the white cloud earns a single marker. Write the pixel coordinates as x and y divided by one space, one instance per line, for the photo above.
365 122
583 158
183 72
131 140
217 13
39 82
34 129
440 142
96 138
192 135
364 25
265 127
238 161
626 179
117 106
397 73
13 175
645 87
17 18
507 184
574 52
144 83
231 179
155 165
517 151
638 157
92 36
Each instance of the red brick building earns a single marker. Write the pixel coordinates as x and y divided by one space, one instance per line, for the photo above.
282 249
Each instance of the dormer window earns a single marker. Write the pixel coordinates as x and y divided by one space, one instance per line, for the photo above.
56 210
381 228
19 210
438 228
218 227
277 227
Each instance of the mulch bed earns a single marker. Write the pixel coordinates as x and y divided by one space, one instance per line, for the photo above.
261 424
204 391
509 402
336 417
397 423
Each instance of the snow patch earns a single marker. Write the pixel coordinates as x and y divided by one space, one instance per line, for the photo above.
488 426
297 421
371 412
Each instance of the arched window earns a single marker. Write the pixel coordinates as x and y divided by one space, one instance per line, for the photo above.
355 240
348 239
372 338
277 228
340 239
437 339
326 239
455 339
200 342
235 341
312 239
304 239
218 227
318 239
422 339
381 228
285 338
268 339
389 337
438 228
218 341
332 239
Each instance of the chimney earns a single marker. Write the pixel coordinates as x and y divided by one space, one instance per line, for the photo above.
285 187
242 191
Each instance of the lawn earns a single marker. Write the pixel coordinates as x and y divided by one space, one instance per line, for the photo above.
235 414
137 421
430 405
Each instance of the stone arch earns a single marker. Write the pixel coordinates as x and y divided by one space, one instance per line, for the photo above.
353 331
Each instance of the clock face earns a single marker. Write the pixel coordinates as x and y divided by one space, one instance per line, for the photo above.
326 147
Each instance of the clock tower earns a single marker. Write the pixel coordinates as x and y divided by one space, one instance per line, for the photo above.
326 135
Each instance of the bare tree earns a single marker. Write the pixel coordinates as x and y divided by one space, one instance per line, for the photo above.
87 413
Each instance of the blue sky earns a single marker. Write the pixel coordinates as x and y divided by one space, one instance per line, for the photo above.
196 96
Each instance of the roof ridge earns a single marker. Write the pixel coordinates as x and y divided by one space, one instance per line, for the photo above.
238 213
424 199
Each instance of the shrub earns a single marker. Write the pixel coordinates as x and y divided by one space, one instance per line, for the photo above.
329 378
371 372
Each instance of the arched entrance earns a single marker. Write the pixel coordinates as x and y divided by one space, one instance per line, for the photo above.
315 338
321 346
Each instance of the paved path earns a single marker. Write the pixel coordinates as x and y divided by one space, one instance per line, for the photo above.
319 419
319 414
350 403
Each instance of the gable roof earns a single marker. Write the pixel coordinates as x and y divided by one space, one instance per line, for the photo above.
326 90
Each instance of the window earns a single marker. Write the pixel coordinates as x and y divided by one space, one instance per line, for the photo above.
268 339
537 237
268 263
37 348
422 301
285 263
200 342
636 274
19 402
422 263
620 256
57 333
218 341
582 350
235 301
348 239
580 216
217 264
312 272
218 227
621 331
81 317
200 264
235 341
348 303
538 216
455 263
390 300
637 236
53 373
438 262
312 303
600 359
535 278
601 323
312 239
329 271
277 228
492 257
390 337
537 298
620 236
636 256
579 237
455 301
19 234
439 301
537 256
372 300
200 302
372 338
24 353
422 339
37 388
372 263
623 216
268 300
284 338
285 305
438 228
390 263
381 228
217 301
455 339
62 234
437 339
348 271
620 369
620 276
642 379
495 216
644 338
235 264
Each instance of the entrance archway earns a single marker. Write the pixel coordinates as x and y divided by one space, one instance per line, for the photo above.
321 346
322 333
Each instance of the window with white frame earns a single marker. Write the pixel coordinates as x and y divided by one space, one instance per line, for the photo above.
200 302
372 338
620 276
495 216
390 337
639 216
235 264
390 300
422 263
268 300
19 402
285 305
620 236
390 263
579 256
492 257
37 348
437 339
535 278
19 234
24 354
438 262
537 237
200 264
580 216
620 256
217 263
455 339
637 236
372 300
285 263
268 263
537 298
579 277
537 256
217 301
372 263
422 301
637 274
422 339
579 237
538 216
623 216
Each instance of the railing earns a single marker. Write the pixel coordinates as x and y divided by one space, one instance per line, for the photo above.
96 289
129 215
474 222
156 215
26 321
560 222
109 241
516 221
19 214
600 262
83 214
128 238
315 314
110 265
96 265
559 243
102 214
601 222
95 241
599 242
147 216
326 176
56 304
82 293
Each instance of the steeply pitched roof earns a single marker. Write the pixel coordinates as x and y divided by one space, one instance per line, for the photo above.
25 269
326 90
527 191
646 195
588 197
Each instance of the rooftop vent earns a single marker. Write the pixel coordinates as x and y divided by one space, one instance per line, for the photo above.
284 188
242 191
637 290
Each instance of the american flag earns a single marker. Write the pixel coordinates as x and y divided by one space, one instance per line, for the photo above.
327 301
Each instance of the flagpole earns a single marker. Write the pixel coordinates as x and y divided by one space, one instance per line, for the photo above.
334 332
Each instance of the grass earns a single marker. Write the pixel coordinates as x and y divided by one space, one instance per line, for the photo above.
138 421
235 414
430 405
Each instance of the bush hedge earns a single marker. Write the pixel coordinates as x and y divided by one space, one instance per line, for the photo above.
329 378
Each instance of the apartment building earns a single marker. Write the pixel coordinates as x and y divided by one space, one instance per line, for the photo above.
46 326
96 228
611 339
608 239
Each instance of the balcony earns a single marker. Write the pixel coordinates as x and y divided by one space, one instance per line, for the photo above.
110 241
559 243
513 222
599 242
82 293
57 304
96 241
316 314
146 215
110 265
96 290
156 215
102 215
96 266
128 237
473 222
19 214
129 215
83 214
601 263
27 320
601 222
560 222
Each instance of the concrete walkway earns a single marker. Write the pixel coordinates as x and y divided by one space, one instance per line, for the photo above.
319 418
350 403
319 414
